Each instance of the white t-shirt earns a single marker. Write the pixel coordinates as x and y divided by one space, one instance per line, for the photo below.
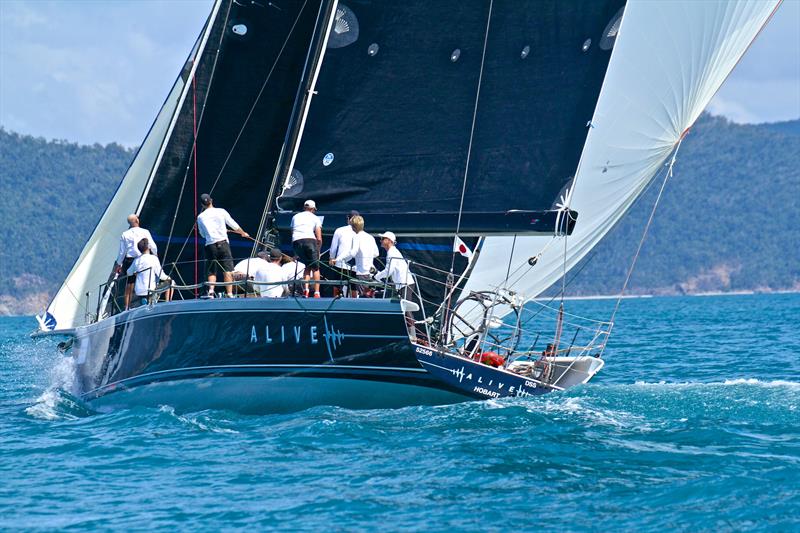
211 224
271 273
147 268
293 270
396 269
363 250
129 240
341 243
303 225
250 266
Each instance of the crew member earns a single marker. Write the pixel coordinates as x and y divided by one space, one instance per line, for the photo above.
212 224
272 273
364 251
147 268
293 269
247 269
396 267
397 270
341 243
306 241
128 251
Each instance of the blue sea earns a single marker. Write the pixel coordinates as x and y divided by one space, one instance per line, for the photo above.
693 425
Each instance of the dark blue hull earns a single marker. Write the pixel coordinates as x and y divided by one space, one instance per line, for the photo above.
475 379
257 354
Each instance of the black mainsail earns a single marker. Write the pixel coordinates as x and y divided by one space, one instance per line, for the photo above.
432 97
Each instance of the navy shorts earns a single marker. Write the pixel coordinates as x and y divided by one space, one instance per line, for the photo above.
307 252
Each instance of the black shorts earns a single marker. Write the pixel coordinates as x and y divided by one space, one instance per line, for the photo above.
307 252
126 264
218 255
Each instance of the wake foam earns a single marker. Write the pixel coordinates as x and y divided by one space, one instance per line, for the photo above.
201 421
726 383
59 401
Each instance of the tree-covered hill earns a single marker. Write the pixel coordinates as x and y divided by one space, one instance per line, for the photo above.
727 221
52 194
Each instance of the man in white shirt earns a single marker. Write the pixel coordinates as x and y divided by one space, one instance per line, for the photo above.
342 242
147 268
364 251
212 224
293 270
306 241
396 267
247 268
272 273
128 251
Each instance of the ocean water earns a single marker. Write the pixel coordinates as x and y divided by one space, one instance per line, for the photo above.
694 424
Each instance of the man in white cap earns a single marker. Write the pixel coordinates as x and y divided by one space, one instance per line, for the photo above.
307 241
396 267
212 224
128 251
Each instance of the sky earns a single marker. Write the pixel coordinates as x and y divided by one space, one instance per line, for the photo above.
97 71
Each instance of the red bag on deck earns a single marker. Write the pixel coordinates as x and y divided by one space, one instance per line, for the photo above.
492 359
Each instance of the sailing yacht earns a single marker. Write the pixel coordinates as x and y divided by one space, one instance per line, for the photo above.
500 141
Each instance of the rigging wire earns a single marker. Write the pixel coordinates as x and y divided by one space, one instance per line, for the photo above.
289 136
510 259
646 229
194 152
472 129
258 96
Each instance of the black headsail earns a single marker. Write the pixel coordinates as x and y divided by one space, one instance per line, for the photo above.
391 127
243 92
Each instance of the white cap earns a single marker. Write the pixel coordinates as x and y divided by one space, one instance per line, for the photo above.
388 235
311 204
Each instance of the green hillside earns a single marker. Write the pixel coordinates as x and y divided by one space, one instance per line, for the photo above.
728 220
52 194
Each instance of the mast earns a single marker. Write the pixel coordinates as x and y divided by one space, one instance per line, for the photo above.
300 105
316 65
